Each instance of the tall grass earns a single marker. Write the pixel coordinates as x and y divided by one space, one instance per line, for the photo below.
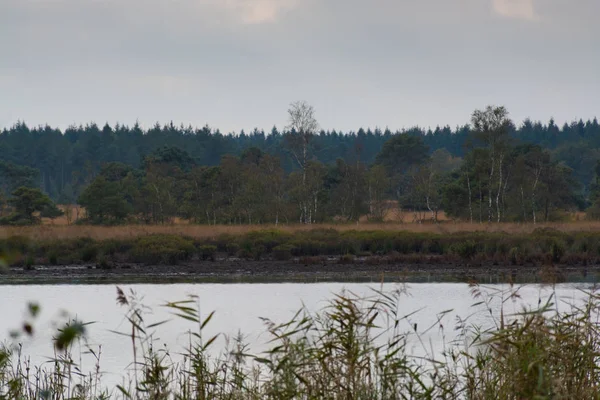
46 232
354 348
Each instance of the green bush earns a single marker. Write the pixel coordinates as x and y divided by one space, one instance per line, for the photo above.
466 249
53 258
103 263
208 252
115 246
89 253
557 250
514 255
283 252
232 249
29 263
161 249
543 245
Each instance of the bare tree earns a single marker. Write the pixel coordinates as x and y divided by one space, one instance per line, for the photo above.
302 126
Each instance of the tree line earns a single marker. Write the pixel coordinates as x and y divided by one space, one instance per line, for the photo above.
487 171
63 163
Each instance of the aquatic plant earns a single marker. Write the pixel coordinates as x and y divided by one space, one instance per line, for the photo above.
354 348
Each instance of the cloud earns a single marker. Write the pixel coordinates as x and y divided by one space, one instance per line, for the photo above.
244 11
520 9
258 11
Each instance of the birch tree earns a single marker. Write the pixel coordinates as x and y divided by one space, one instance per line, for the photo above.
492 126
302 126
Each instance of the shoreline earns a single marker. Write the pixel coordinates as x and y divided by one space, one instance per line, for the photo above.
272 271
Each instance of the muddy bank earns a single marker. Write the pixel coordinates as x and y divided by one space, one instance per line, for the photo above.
326 270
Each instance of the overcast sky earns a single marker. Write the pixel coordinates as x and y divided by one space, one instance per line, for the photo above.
237 64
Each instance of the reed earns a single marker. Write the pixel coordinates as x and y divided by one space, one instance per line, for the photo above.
354 348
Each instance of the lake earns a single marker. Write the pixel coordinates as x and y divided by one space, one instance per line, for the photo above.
238 308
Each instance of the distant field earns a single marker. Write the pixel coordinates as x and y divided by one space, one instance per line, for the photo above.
395 221
61 231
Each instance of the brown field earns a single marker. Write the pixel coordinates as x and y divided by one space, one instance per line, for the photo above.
63 228
61 231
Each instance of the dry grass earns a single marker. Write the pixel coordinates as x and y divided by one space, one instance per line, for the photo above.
61 231
63 227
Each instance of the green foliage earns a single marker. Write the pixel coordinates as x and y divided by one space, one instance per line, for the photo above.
497 181
19 244
89 253
466 250
53 258
171 155
162 249
26 201
232 249
68 334
51 211
557 250
592 213
69 160
13 176
208 252
105 201
283 252
401 152
29 263
104 263
539 247
514 255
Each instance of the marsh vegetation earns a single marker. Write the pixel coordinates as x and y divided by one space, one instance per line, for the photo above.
353 348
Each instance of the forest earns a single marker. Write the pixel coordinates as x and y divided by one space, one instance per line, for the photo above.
490 170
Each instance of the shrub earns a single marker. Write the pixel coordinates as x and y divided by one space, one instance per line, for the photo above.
232 249
52 258
116 246
307 247
103 263
258 252
161 249
20 244
514 255
29 263
208 252
283 252
557 250
89 253
464 249
432 246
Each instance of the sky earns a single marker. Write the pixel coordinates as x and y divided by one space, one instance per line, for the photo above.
238 64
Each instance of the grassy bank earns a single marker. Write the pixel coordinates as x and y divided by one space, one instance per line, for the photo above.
354 348
542 246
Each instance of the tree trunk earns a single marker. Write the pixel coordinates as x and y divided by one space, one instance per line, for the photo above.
470 202
523 204
490 189
499 187
533 189
480 204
